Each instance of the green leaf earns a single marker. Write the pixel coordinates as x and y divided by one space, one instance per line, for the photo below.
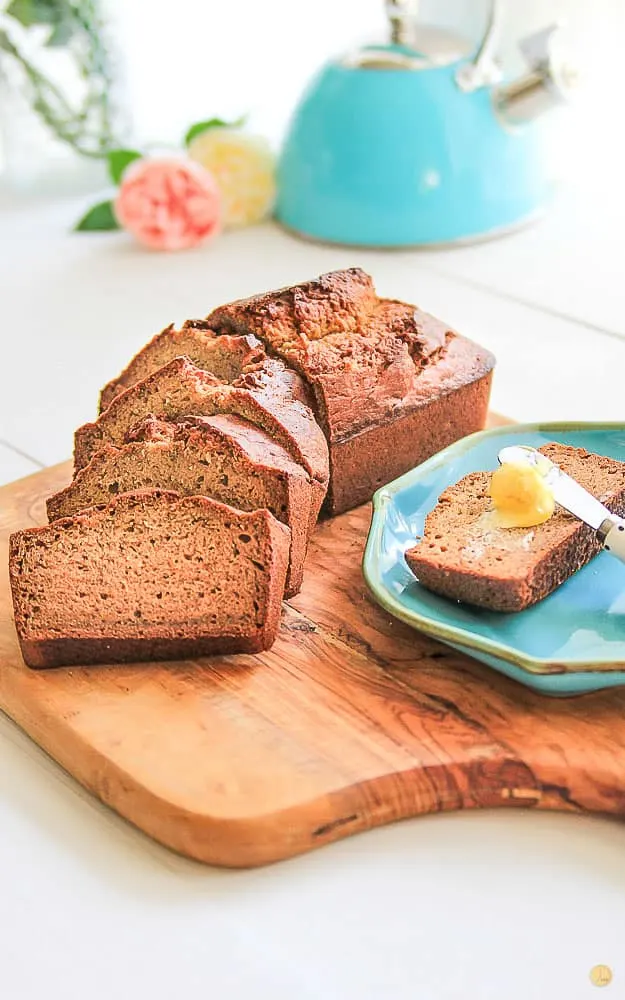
118 160
29 12
100 218
200 127
61 34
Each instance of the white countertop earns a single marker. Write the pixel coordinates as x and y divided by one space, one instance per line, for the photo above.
514 905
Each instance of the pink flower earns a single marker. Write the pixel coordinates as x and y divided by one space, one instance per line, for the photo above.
168 204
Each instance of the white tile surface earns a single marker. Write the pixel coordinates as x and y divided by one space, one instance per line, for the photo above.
511 905
13 465
569 263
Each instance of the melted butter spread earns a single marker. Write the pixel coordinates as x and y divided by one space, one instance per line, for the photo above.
487 534
521 496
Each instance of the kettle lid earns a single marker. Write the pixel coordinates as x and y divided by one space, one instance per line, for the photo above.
430 47
413 45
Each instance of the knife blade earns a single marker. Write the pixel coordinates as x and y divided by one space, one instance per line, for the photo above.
573 497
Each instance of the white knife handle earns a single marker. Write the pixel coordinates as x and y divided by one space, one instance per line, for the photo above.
612 534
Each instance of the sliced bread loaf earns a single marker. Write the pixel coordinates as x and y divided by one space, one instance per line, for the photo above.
150 576
465 556
222 456
391 384
180 388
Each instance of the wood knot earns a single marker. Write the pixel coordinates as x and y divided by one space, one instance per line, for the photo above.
302 625
505 782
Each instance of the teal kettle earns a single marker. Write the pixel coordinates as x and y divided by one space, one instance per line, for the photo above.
421 142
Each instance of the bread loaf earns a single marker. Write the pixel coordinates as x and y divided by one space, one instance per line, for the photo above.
262 405
392 385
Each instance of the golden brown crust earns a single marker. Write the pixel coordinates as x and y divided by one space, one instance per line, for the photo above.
361 464
370 363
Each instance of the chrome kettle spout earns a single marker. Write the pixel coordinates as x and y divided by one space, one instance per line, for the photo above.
548 83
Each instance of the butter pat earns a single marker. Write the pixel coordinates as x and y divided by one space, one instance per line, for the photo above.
521 496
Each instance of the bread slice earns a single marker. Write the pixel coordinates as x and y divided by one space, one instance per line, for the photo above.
222 456
466 557
150 576
227 358
224 359
392 385
180 388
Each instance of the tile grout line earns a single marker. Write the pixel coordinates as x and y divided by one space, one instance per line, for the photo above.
23 454
507 297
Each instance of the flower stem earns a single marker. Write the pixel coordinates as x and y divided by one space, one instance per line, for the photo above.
88 129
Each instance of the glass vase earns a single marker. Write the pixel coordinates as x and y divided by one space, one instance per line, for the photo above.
61 99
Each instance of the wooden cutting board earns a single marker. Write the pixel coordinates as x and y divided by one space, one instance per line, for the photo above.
350 721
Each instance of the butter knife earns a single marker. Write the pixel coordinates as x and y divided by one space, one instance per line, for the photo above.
609 528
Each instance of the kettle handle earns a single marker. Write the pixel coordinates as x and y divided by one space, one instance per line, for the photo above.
401 14
482 70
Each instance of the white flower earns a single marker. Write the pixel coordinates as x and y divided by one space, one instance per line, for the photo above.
243 166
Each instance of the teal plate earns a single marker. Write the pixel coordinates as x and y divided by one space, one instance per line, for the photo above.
570 643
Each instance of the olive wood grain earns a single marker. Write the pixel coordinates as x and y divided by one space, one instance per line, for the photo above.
350 721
